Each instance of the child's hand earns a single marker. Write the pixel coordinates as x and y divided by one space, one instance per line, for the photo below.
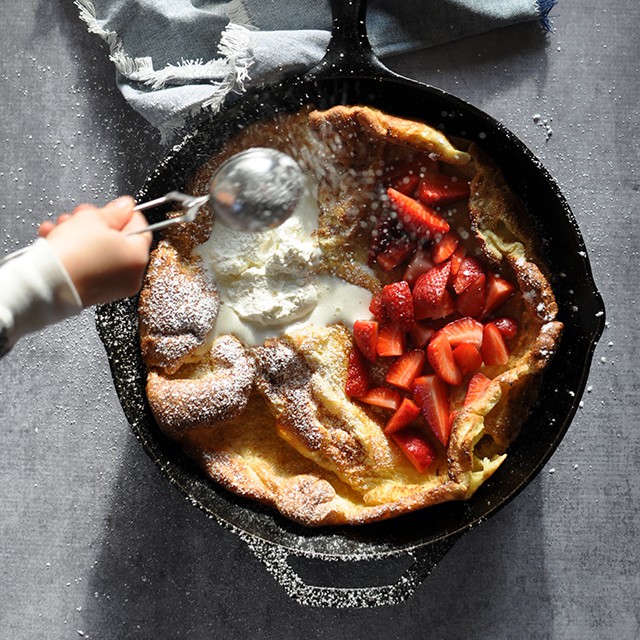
103 262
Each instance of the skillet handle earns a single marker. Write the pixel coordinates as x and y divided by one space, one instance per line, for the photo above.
349 51
275 559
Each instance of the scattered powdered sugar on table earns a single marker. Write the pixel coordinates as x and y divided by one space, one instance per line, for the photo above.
545 123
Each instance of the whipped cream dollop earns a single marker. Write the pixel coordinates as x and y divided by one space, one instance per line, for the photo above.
268 283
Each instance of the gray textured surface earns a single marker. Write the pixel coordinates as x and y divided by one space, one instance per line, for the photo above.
94 542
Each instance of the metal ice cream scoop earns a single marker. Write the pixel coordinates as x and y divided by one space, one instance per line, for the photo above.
253 190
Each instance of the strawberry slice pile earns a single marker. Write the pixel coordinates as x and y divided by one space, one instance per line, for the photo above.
415 191
437 327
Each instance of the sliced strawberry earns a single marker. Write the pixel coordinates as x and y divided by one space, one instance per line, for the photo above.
415 216
440 356
407 412
437 188
396 253
456 260
471 301
406 184
358 375
476 388
398 303
494 348
406 368
420 333
391 341
388 230
432 396
382 397
376 306
499 290
365 334
420 263
470 270
463 330
445 246
416 447
444 308
508 326
467 358
429 291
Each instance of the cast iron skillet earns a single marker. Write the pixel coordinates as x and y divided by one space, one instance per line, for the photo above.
351 74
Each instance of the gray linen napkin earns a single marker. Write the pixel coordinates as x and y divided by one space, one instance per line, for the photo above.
176 57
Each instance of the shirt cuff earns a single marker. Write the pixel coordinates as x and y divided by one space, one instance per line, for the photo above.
35 291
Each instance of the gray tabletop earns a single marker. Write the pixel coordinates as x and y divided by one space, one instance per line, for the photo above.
95 543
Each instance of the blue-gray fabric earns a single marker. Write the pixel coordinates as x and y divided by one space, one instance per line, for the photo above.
174 56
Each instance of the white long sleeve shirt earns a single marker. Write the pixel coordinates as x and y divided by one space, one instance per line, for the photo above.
35 291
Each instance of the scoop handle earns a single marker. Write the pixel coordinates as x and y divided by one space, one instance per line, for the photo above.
190 203
275 558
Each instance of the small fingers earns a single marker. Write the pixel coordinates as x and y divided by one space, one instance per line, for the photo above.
46 228
82 207
118 213
137 223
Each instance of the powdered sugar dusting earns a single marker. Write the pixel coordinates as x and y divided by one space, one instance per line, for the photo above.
178 308
276 560
285 379
202 401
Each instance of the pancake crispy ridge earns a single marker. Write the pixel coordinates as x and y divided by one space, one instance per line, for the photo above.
273 423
